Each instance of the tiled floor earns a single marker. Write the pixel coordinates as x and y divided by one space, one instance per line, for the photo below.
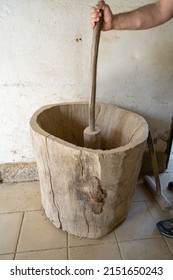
26 233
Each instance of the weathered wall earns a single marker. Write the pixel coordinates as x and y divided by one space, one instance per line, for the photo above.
44 58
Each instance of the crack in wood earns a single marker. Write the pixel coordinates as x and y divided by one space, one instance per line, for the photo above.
51 186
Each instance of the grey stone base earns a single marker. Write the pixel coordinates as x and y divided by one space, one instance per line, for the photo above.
18 172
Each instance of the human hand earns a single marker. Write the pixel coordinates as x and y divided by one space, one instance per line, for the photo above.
107 15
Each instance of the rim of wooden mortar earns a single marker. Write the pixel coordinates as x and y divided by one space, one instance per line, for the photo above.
35 126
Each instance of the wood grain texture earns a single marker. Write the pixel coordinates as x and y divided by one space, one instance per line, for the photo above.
87 192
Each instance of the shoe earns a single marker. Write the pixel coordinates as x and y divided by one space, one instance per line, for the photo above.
166 227
170 186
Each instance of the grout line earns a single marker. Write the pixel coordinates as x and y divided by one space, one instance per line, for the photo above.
167 243
150 210
143 239
18 236
119 249
38 250
21 211
94 244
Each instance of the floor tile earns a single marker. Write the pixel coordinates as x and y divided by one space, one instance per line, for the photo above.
141 193
9 231
55 254
165 178
39 233
20 197
170 165
148 249
157 213
138 237
7 257
75 241
169 242
138 225
109 251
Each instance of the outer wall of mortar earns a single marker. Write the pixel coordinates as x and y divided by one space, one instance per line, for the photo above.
45 58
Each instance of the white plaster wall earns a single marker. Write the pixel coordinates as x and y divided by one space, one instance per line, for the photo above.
44 58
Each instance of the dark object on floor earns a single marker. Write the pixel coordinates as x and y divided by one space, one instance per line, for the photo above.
166 227
170 186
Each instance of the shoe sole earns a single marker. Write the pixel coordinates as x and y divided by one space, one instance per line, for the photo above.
167 235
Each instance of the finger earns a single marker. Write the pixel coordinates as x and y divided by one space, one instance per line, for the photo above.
95 16
98 7
94 12
101 3
93 24
94 21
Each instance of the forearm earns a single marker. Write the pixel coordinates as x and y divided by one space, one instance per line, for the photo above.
142 18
